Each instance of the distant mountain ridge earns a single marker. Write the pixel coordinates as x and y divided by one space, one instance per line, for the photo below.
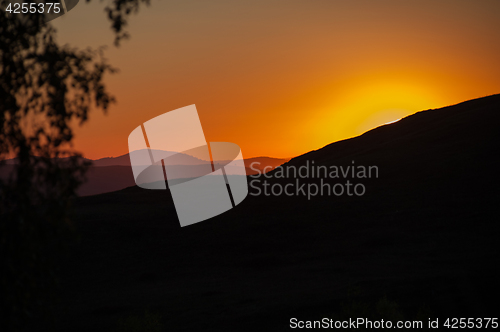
115 173
124 160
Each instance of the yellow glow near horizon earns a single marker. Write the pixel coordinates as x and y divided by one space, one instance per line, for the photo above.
363 107
382 118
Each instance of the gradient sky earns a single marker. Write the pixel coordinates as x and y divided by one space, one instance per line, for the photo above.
280 78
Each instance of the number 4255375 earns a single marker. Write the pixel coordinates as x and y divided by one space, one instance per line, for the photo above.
42 8
461 323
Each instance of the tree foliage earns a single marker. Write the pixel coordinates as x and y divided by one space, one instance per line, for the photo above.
45 89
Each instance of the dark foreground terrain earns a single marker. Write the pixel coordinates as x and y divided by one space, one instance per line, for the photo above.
424 239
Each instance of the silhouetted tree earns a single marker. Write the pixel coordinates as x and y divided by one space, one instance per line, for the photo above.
44 89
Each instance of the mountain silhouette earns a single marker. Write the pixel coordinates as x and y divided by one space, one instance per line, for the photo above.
111 174
115 173
422 240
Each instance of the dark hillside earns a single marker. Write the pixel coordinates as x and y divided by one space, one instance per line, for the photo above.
425 235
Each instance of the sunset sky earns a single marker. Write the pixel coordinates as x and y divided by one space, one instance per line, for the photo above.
280 78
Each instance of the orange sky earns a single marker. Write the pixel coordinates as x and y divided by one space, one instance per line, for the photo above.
280 78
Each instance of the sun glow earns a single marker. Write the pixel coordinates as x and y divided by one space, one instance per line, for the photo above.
382 118
358 108
392 122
